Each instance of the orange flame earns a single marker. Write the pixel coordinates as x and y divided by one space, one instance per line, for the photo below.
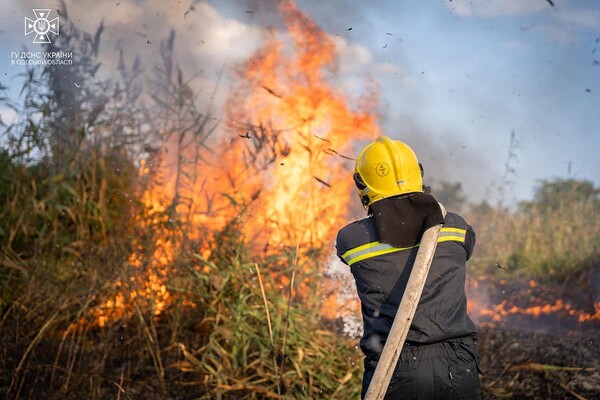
281 169
306 193
533 304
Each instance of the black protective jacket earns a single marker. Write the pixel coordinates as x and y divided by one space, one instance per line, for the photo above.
381 272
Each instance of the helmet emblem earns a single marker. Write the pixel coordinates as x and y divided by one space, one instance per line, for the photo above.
382 169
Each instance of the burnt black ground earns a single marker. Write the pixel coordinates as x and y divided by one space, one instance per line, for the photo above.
512 362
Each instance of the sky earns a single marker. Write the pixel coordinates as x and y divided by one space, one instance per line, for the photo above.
497 95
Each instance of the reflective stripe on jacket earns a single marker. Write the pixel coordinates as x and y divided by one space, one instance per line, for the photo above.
381 272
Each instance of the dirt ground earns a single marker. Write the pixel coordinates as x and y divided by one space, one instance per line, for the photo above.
552 353
529 365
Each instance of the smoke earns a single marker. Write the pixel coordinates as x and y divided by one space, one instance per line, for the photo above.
446 156
214 37
207 43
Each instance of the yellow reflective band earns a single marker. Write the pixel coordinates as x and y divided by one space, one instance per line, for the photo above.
457 230
370 250
377 253
448 234
363 247
375 249
449 238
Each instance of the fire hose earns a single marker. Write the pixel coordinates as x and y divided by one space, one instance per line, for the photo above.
404 316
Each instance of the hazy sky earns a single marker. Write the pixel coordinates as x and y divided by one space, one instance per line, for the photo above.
455 77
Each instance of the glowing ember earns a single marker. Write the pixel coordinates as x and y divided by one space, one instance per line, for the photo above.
530 306
504 310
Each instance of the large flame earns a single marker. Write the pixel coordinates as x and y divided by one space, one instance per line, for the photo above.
283 94
280 173
281 169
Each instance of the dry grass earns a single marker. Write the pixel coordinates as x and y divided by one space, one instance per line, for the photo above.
537 240
225 346
68 226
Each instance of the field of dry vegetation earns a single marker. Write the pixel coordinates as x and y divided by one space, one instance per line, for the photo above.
109 291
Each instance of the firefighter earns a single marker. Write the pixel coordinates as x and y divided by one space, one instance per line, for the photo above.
439 359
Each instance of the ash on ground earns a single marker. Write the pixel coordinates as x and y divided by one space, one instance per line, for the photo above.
527 365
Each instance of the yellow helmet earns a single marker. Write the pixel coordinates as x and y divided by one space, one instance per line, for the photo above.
387 168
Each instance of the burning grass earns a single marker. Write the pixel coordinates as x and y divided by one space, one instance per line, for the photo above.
536 307
228 345
125 285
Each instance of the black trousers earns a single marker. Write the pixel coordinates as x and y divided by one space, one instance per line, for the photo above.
444 370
